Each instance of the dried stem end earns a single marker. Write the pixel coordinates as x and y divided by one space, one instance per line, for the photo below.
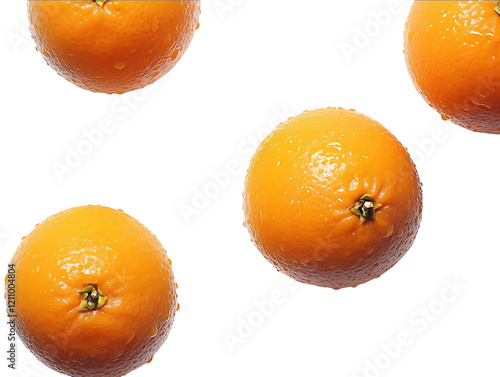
365 208
91 298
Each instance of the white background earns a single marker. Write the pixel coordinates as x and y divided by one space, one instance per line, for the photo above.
249 63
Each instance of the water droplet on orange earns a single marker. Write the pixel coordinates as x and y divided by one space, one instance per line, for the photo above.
120 65
320 255
482 102
153 332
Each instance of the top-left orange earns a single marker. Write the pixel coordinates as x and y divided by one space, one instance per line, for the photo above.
113 46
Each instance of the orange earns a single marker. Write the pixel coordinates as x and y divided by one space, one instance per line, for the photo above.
452 52
95 292
113 46
332 198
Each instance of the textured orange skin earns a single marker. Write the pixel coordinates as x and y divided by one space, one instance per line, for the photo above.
102 246
122 46
301 184
452 52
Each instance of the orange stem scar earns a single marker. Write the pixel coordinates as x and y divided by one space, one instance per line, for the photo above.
365 208
91 298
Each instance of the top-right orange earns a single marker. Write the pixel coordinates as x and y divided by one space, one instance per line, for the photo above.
452 51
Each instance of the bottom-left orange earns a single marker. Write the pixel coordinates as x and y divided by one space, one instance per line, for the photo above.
95 292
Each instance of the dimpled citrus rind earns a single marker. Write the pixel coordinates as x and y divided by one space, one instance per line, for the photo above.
123 46
301 184
452 51
93 245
